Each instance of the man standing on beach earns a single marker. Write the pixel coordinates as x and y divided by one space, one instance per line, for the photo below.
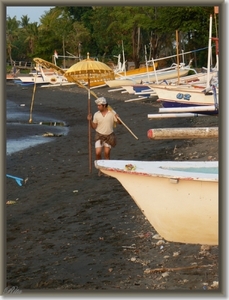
103 122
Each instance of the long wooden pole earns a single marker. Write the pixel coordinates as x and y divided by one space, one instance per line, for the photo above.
32 101
176 115
128 128
123 59
123 123
187 109
178 62
209 52
183 133
89 128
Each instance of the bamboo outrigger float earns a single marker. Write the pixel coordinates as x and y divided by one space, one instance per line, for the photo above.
183 133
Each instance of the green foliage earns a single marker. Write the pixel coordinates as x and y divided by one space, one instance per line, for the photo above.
102 30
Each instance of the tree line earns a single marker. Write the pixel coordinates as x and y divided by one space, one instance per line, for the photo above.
140 32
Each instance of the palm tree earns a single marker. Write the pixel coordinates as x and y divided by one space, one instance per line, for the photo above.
25 21
12 28
31 32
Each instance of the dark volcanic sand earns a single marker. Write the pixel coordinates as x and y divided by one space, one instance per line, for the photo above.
74 231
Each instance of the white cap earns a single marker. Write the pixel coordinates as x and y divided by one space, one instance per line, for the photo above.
101 100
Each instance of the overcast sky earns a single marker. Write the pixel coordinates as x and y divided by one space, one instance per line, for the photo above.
33 12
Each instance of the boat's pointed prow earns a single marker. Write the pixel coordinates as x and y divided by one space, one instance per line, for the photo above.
179 199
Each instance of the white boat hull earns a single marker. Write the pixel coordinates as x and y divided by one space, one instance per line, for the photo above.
197 80
190 96
43 79
150 77
182 206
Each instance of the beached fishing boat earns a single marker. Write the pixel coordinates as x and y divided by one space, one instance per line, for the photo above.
181 97
44 76
179 199
132 72
44 79
153 76
198 80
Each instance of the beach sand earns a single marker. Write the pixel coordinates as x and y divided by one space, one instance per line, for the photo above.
72 231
